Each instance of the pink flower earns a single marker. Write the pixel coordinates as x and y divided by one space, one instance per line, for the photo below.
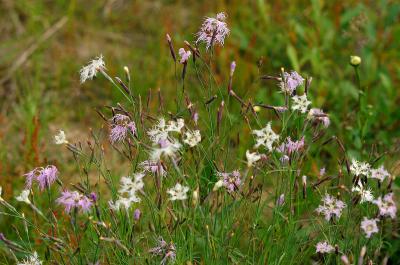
121 125
136 214
318 116
324 247
167 251
231 181
291 146
331 207
43 176
369 226
185 55
74 199
213 31
379 173
155 167
291 82
281 200
387 206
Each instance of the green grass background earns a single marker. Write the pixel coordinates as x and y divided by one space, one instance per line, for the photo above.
314 37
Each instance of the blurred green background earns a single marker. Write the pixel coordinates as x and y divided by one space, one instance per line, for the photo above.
39 64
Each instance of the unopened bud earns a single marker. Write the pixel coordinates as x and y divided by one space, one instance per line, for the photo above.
233 67
355 60
195 197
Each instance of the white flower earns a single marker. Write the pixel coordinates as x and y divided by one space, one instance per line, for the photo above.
324 247
160 131
359 168
24 197
90 70
127 193
178 192
266 137
300 103
379 173
365 193
252 158
167 148
369 226
192 138
218 185
60 138
131 186
176 126
122 203
31 260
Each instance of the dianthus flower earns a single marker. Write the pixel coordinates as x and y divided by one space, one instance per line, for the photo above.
213 31
331 207
74 200
121 126
43 176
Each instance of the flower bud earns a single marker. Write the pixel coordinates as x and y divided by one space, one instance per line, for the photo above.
355 60
136 214
195 197
256 108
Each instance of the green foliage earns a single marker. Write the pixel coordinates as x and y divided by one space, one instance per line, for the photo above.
315 38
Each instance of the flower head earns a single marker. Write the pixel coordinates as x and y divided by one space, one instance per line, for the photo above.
331 207
290 146
369 226
192 138
359 168
24 197
178 192
60 138
121 126
324 247
387 206
167 251
155 167
130 186
74 200
252 158
231 181
43 176
318 116
291 82
161 130
365 193
185 55
300 103
166 147
266 137
379 173
127 193
213 31
90 70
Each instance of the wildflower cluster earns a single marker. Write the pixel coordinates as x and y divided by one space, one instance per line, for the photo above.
217 180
